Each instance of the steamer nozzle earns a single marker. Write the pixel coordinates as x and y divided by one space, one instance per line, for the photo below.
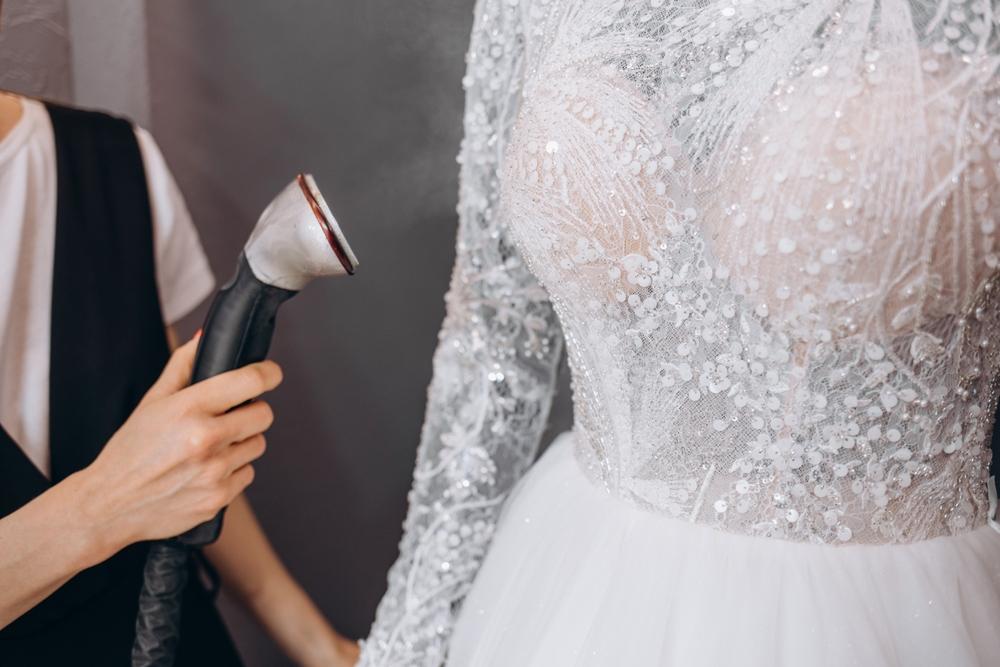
297 239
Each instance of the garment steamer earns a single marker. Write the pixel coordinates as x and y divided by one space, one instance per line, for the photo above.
295 240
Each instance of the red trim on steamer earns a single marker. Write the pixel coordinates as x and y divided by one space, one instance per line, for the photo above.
331 238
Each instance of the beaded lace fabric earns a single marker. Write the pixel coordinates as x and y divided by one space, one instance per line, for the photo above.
765 230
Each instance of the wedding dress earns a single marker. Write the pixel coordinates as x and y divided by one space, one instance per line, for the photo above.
766 232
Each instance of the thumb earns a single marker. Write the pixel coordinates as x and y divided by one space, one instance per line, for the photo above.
177 373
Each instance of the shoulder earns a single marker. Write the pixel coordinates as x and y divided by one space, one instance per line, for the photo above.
183 273
157 171
87 123
102 131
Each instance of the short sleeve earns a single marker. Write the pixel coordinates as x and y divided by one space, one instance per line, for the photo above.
183 274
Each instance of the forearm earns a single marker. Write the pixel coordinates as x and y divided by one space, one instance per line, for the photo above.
162 472
44 544
251 569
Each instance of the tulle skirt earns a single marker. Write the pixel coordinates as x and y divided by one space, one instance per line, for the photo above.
578 578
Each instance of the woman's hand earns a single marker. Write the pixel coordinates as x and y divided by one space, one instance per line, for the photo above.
181 456
252 572
178 460
343 652
348 652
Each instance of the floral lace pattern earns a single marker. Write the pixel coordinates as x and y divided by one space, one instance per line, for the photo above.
494 374
768 229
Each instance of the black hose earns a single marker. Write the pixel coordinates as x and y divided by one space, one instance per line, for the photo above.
157 628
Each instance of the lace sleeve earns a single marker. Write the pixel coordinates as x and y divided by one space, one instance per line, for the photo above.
493 376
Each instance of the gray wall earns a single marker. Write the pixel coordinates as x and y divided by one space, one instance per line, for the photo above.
367 96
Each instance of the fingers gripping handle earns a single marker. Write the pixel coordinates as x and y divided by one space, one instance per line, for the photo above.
237 332
296 240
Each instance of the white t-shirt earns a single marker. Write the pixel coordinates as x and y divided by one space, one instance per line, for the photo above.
27 249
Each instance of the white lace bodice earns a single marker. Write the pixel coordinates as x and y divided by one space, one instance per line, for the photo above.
766 231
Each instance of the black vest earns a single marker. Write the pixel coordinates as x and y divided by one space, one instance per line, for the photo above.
108 346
